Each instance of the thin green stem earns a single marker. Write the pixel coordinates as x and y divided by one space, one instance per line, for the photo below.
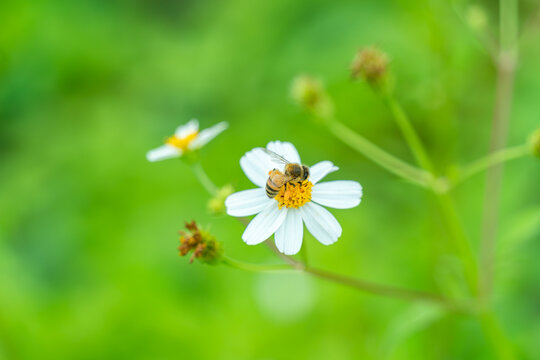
365 286
508 26
204 179
459 239
506 64
409 133
374 153
288 259
446 204
496 336
487 318
492 159
499 134
237 264
383 290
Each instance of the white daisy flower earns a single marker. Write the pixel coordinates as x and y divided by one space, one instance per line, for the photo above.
186 138
294 205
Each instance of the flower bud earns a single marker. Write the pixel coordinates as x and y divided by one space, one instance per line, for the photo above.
370 64
476 17
216 205
534 142
201 244
309 93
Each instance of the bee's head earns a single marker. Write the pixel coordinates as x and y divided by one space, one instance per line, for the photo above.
294 170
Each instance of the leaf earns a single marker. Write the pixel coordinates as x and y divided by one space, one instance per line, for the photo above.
415 319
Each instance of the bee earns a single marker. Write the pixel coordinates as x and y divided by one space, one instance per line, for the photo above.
293 173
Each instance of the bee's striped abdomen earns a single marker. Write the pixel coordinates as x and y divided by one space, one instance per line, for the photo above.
271 189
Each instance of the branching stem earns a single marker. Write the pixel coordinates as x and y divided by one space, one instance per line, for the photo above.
491 160
365 286
374 153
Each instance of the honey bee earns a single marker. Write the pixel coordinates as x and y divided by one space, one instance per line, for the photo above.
293 173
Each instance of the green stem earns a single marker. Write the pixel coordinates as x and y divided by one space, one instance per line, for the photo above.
506 64
459 239
255 267
383 290
499 133
495 334
446 204
204 179
508 26
379 156
408 132
365 286
491 160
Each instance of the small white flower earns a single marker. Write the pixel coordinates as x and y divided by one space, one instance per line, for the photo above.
186 138
294 206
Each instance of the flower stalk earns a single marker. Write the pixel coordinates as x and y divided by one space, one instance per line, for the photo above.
358 284
445 202
505 63
382 158
204 179
487 318
384 290
240 265
410 135
491 160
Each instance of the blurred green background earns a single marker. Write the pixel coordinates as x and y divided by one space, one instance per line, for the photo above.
88 228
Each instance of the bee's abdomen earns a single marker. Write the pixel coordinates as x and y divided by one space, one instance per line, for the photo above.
271 189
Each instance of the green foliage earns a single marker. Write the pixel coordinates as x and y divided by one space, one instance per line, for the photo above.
88 228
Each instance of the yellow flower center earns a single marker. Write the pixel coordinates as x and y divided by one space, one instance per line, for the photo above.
294 195
182 143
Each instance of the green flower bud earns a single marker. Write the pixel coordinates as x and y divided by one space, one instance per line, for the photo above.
201 244
309 93
476 17
216 205
534 142
371 65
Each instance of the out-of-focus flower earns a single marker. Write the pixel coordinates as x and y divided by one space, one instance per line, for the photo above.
201 243
476 17
216 205
186 138
534 142
294 205
309 93
370 64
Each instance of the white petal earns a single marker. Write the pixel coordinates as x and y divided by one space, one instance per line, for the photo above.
264 224
320 170
163 152
285 149
184 130
207 134
247 202
341 194
256 165
290 233
320 223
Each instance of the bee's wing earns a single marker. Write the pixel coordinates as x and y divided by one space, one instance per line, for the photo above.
276 157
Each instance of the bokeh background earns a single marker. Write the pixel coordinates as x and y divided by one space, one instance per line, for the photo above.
88 228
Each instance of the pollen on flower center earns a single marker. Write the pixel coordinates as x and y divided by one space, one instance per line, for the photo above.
181 143
294 195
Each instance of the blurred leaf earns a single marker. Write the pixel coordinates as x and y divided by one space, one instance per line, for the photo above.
416 318
523 226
